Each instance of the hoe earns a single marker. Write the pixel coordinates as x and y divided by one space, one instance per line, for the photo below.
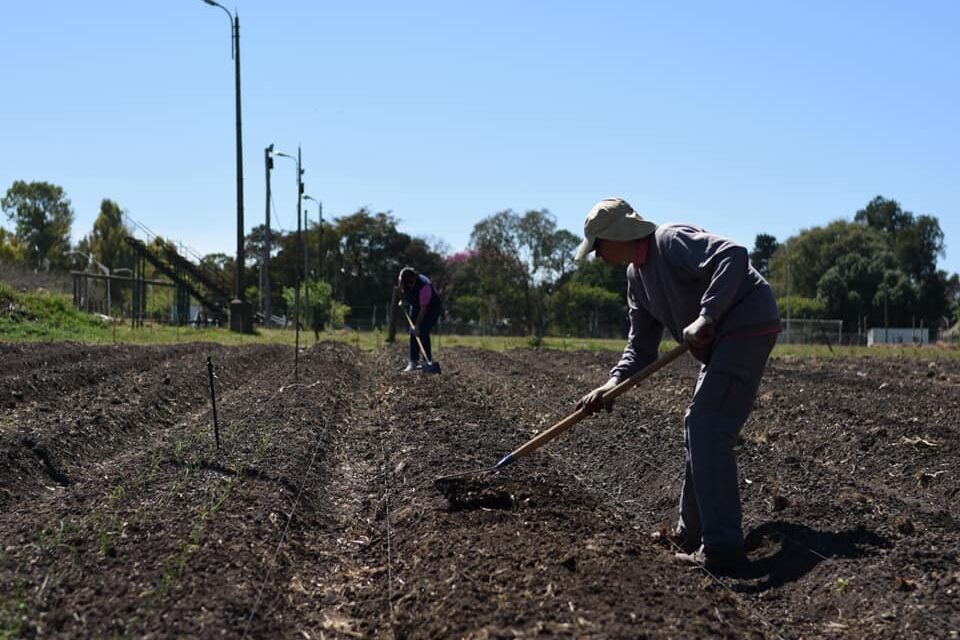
428 366
454 486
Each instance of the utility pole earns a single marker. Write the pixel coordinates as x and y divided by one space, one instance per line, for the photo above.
296 357
244 323
306 272
319 248
789 298
296 261
266 307
241 318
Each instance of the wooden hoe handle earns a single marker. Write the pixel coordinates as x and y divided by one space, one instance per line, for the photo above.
543 438
413 327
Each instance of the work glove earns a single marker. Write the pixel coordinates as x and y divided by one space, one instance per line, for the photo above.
593 401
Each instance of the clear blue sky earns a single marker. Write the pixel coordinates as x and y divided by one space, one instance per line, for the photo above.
743 117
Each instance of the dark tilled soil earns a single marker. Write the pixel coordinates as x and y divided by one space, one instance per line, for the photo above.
319 518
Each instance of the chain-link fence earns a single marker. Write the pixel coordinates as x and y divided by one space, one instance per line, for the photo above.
814 331
595 324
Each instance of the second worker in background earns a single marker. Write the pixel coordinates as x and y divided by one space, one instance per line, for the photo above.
424 305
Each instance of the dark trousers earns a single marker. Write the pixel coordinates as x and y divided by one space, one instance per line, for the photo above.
428 321
726 388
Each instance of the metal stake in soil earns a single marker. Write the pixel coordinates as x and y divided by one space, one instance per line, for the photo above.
213 402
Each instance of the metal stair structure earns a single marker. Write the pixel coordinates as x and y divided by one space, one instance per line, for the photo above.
208 280
212 298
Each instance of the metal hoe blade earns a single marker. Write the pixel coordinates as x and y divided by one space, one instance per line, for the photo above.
456 484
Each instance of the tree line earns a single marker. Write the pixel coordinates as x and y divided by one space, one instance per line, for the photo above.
517 274
878 269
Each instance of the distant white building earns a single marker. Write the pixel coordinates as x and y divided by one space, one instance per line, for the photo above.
898 336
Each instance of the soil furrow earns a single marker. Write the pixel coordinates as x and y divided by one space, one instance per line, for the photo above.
319 517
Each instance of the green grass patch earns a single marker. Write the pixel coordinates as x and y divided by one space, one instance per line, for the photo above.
930 352
41 316
14 610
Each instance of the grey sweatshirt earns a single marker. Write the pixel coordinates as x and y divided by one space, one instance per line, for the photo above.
690 272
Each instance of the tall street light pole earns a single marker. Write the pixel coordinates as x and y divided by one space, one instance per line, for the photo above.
296 312
320 228
306 271
266 306
241 318
319 246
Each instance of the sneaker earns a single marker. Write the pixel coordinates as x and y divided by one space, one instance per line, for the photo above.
411 366
673 541
724 561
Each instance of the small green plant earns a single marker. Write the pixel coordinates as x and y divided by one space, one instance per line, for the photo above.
13 612
117 495
154 465
104 540
843 584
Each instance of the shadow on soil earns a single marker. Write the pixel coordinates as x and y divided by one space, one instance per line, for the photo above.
49 468
216 468
787 551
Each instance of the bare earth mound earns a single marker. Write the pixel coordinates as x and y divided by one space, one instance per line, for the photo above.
319 518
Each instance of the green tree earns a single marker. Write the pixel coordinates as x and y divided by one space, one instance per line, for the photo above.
503 279
799 263
12 251
884 215
369 255
220 263
917 241
594 295
489 286
253 245
801 307
842 265
577 304
497 234
359 255
43 217
533 242
324 309
881 267
561 260
107 238
764 247
598 273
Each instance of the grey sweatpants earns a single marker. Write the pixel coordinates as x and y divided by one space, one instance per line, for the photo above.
710 498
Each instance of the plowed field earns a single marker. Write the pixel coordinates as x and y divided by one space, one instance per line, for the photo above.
318 517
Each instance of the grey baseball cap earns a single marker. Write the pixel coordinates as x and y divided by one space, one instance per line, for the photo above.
612 219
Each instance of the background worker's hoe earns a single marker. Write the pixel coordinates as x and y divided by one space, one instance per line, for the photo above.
428 366
455 485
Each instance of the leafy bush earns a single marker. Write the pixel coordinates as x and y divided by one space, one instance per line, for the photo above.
802 307
325 311
42 314
574 302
